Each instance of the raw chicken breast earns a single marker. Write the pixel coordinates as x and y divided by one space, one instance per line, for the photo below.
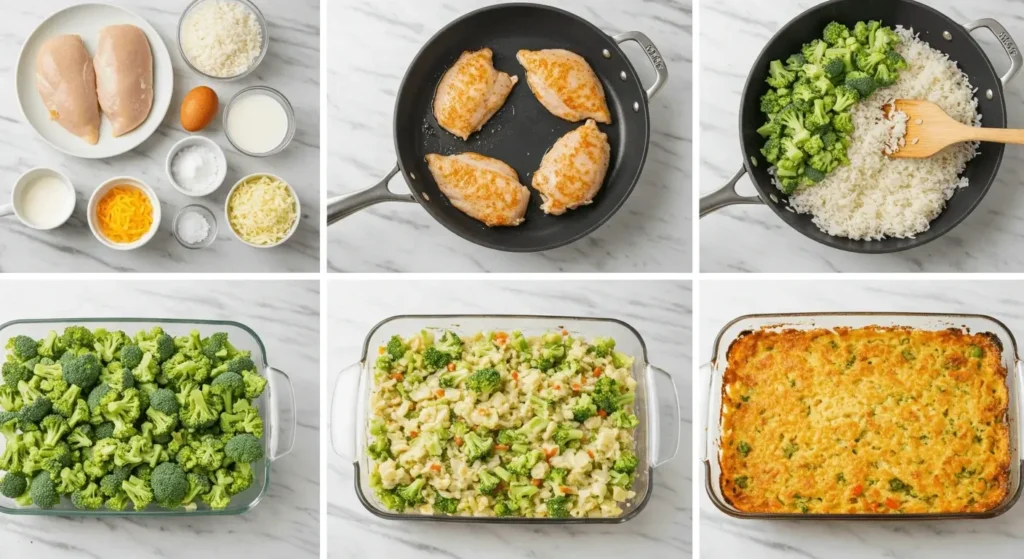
470 93
565 84
572 172
66 81
483 188
124 76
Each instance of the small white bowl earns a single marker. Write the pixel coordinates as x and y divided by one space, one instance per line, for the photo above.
102 190
298 210
197 141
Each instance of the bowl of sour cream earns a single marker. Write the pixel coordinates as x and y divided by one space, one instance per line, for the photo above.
259 121
42 199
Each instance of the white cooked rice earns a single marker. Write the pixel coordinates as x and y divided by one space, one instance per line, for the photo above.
876 197
897 124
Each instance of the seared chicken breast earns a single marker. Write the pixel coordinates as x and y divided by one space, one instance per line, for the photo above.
470 92
124 76
572 172
565 84
483 188
66 81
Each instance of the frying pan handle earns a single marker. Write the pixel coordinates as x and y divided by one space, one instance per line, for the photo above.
652 53
997 29
343 206
726 196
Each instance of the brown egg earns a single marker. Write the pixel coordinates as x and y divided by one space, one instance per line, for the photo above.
198 108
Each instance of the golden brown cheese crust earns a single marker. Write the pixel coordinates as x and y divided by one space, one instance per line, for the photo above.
867 420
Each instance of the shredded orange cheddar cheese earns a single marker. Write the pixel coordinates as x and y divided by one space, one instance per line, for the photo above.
124 214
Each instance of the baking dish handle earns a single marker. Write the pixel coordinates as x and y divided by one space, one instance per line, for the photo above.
726 196
666 435
653 54
282 402
343 414
340 207
1009 45
704 404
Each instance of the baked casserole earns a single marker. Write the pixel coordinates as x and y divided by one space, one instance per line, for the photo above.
865 421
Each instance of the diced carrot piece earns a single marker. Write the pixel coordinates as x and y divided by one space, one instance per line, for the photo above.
501 447
602 413
565 332
380 350
565 489
535 482
451 366
575 387
558 387
858 490
551 452
397 376
435 467
515 375
413 434
440 393
597 371
892 503
590 453
458 441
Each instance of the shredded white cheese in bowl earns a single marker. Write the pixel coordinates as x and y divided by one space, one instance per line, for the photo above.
262 210
224 39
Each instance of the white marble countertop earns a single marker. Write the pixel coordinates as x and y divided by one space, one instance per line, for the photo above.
753 239
292 66
650 233
287 522
722 537
660 311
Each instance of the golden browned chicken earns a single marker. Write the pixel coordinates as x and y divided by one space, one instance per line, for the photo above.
124 76
572 172
483 188
565 84
66 81
470 92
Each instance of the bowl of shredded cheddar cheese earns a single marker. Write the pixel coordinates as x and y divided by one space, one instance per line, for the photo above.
262 210
124 213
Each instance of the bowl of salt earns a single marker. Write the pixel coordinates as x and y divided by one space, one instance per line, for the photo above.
196 166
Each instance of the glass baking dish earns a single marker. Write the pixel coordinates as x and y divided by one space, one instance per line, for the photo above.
657 437
276 406
715 370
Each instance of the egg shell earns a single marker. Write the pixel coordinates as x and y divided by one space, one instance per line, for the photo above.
199 108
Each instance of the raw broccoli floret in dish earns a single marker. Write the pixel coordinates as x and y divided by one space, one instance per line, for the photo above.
121 422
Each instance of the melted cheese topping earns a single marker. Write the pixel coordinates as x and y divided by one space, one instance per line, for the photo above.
124 214
262 211
868 420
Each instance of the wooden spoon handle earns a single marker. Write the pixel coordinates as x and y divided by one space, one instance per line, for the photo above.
999 135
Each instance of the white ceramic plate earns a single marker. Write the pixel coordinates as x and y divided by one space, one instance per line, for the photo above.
86 20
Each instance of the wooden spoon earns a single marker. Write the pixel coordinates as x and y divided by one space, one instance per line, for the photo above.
930 130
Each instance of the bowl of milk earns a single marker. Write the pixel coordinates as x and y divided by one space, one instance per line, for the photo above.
259 121
42 199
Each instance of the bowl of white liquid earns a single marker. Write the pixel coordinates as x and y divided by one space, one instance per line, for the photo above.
259 121
42 199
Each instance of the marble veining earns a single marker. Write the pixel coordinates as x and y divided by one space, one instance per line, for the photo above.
660 311
722 537
753 239
292 66
372 43
285 315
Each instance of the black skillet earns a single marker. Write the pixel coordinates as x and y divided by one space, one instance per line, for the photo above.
941 33
523 130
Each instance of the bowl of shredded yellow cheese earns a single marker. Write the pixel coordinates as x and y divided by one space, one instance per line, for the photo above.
124 213
262 210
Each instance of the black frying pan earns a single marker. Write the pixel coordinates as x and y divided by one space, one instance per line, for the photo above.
523 130
934 28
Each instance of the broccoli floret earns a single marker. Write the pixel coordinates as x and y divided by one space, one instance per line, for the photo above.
22 348
476 446
835 33
139 492
163 424
620 479
198 484
163 400
160 347
49 346
623 420
770 103
509 437
125 408
65 404
229 386
895 61
236 365
607 395
117 377
10 398
779 76
884 77
108 344
557 476
254 384
147 369
819 117
861 33
503 508
43 491
83 371
445 505
772 149
110 484
843 123
13 373
87 498
77 337
565 435
131 356
244 448
183 368
434 359
195 412
626 462
396 347
71 479
452 379
794 123
863 83
484 381
521 465
814 51
412 493
558 507
170 485
883 40
100 396
118 502
846 97
13 485
37 410
795 62
770 128
488 482
814 145
450 343
834 67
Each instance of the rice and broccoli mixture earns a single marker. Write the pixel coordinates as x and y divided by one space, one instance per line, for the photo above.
500 424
